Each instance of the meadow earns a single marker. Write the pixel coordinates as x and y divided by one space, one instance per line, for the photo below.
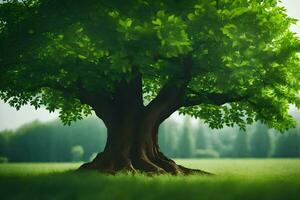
239 179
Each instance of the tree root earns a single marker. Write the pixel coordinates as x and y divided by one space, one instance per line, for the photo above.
103 163
159 164
174 168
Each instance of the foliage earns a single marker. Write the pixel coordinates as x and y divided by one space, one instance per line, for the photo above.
167 138
260 142
201 139
288 145
77 153
4 142
52 142
185 144
3 159
241 145
206 153
244 58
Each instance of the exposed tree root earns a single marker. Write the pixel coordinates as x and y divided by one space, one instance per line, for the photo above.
178 169
160 164
106 164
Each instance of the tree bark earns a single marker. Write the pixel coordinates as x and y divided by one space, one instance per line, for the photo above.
132 128
132 145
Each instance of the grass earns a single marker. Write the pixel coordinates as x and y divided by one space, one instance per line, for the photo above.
236 179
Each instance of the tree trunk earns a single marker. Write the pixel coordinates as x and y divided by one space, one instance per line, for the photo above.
132 129
132 145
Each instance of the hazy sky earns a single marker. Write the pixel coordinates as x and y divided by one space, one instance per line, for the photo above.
11 119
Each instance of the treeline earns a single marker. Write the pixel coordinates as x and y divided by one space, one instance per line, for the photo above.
198 141
53 142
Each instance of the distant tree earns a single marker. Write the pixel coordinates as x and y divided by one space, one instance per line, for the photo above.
3 159
136 63
260 143
201 138
185 147
240 146
206 153
222 141
5 142
288 144
169 136
51 142
77 153
164 139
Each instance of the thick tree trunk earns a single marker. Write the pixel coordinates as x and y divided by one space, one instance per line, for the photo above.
132 145
132 128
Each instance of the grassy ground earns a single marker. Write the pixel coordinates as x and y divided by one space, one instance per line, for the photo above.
235 179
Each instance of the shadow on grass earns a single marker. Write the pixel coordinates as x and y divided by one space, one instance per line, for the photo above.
93 185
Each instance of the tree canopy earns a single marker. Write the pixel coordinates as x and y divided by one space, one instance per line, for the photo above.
236 61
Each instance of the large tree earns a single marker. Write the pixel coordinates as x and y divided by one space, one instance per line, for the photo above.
136 62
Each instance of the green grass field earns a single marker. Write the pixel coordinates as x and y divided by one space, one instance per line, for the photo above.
235 179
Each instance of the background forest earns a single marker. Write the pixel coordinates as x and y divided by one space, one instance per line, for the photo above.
53 142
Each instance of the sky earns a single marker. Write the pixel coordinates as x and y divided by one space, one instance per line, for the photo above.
10 118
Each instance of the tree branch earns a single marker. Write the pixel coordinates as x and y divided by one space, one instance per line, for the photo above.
214 99
100 103
218 4
171 95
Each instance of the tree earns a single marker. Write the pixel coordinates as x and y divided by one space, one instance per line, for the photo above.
201 139
288 145
4 142
51 141
165 139
260 143
77 153
185 146
240 146
134 64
